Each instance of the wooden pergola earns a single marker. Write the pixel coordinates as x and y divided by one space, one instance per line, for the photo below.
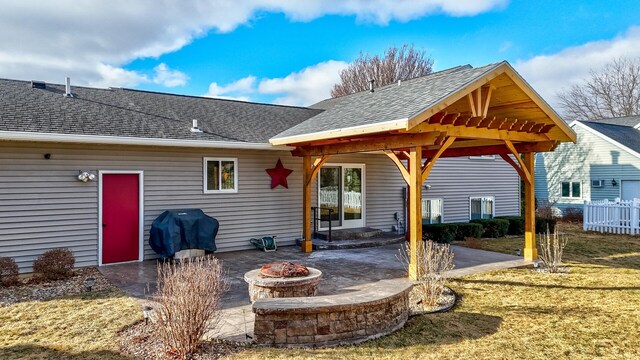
496 113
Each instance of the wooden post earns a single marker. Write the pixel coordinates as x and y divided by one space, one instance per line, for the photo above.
530 250
306 203
415 210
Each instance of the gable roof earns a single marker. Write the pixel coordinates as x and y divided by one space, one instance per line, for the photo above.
134 116
399 107
621 134
632 121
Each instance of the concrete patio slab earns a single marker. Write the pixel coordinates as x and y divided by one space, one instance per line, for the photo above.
343 271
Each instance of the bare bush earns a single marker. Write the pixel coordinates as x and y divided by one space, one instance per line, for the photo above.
551 250
572 215
434 261
189 298
55 264
8 272
545 211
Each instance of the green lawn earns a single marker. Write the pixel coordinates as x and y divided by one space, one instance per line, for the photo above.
594 311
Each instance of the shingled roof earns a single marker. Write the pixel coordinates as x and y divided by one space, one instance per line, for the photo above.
623 134
632 121
391 103
134 114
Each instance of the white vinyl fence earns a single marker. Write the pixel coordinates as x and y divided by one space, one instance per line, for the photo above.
351 199
615 217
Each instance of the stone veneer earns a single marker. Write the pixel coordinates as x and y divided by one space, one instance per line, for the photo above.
265 287
333 319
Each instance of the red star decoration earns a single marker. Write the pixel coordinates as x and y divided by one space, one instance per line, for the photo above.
279 175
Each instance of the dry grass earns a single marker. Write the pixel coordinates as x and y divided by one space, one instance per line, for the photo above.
594 311
75 327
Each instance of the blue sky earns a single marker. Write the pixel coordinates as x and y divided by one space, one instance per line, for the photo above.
292 54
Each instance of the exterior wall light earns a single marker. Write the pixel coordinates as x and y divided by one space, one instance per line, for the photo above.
85 176
89 282
614 182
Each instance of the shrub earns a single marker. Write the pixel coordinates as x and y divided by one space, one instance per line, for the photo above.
189 298
516 224
8 271
441 233
493 228
545 211
55 264
551 251
468 230
434 261
572 215
543 223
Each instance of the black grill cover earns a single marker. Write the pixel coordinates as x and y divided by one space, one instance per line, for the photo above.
176 230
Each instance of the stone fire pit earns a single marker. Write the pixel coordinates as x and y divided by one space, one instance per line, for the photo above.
281 280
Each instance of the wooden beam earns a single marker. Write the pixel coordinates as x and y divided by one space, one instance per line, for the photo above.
474 121
415 211
487 122
403 170
517 167
455 151
461 121
486 101
432 160
390 142
497 124
480 133
508 124
437 118
450 119
317 164
527 175
530 250
307 168
472 105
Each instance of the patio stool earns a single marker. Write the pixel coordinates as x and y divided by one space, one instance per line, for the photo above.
265 243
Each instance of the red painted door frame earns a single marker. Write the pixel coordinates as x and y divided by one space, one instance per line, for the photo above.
121 205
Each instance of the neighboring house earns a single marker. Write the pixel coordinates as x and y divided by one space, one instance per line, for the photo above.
147 157
603 164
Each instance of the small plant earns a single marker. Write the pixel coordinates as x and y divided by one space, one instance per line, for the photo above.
572 215
551 250
434 261
8 272
55 264
189 298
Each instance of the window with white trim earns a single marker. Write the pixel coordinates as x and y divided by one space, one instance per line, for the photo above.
571 189
431 211
220 175
481 207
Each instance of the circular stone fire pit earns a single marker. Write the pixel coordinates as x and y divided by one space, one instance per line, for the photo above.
282 279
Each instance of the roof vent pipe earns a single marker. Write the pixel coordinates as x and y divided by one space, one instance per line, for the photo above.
194 127
371 82
67 87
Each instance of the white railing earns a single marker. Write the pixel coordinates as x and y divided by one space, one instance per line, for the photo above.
351 199
615 217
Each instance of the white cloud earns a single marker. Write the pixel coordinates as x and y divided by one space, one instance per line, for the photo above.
303 87
549 74
91 40
168 77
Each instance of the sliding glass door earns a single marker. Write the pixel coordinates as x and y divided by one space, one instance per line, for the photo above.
341 196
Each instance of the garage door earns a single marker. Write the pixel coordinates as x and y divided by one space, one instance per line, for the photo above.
630 189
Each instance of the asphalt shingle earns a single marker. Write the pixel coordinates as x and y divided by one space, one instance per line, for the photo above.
141 114
625 135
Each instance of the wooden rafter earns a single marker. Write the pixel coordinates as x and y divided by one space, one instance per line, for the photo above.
478 105
496 149
432 160
479 133
315 167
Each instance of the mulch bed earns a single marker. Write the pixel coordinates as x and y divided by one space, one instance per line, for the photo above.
139 342
37 289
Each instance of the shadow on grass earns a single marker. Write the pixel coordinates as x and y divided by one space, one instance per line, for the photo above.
33 351
439 329
547 286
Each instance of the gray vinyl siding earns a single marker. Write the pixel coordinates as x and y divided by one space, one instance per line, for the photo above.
591 158
43 206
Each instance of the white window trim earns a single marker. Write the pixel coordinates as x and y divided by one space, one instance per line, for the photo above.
441 207
493 204
483 157
571 189
204 175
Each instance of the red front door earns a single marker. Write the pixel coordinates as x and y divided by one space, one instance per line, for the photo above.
120 217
